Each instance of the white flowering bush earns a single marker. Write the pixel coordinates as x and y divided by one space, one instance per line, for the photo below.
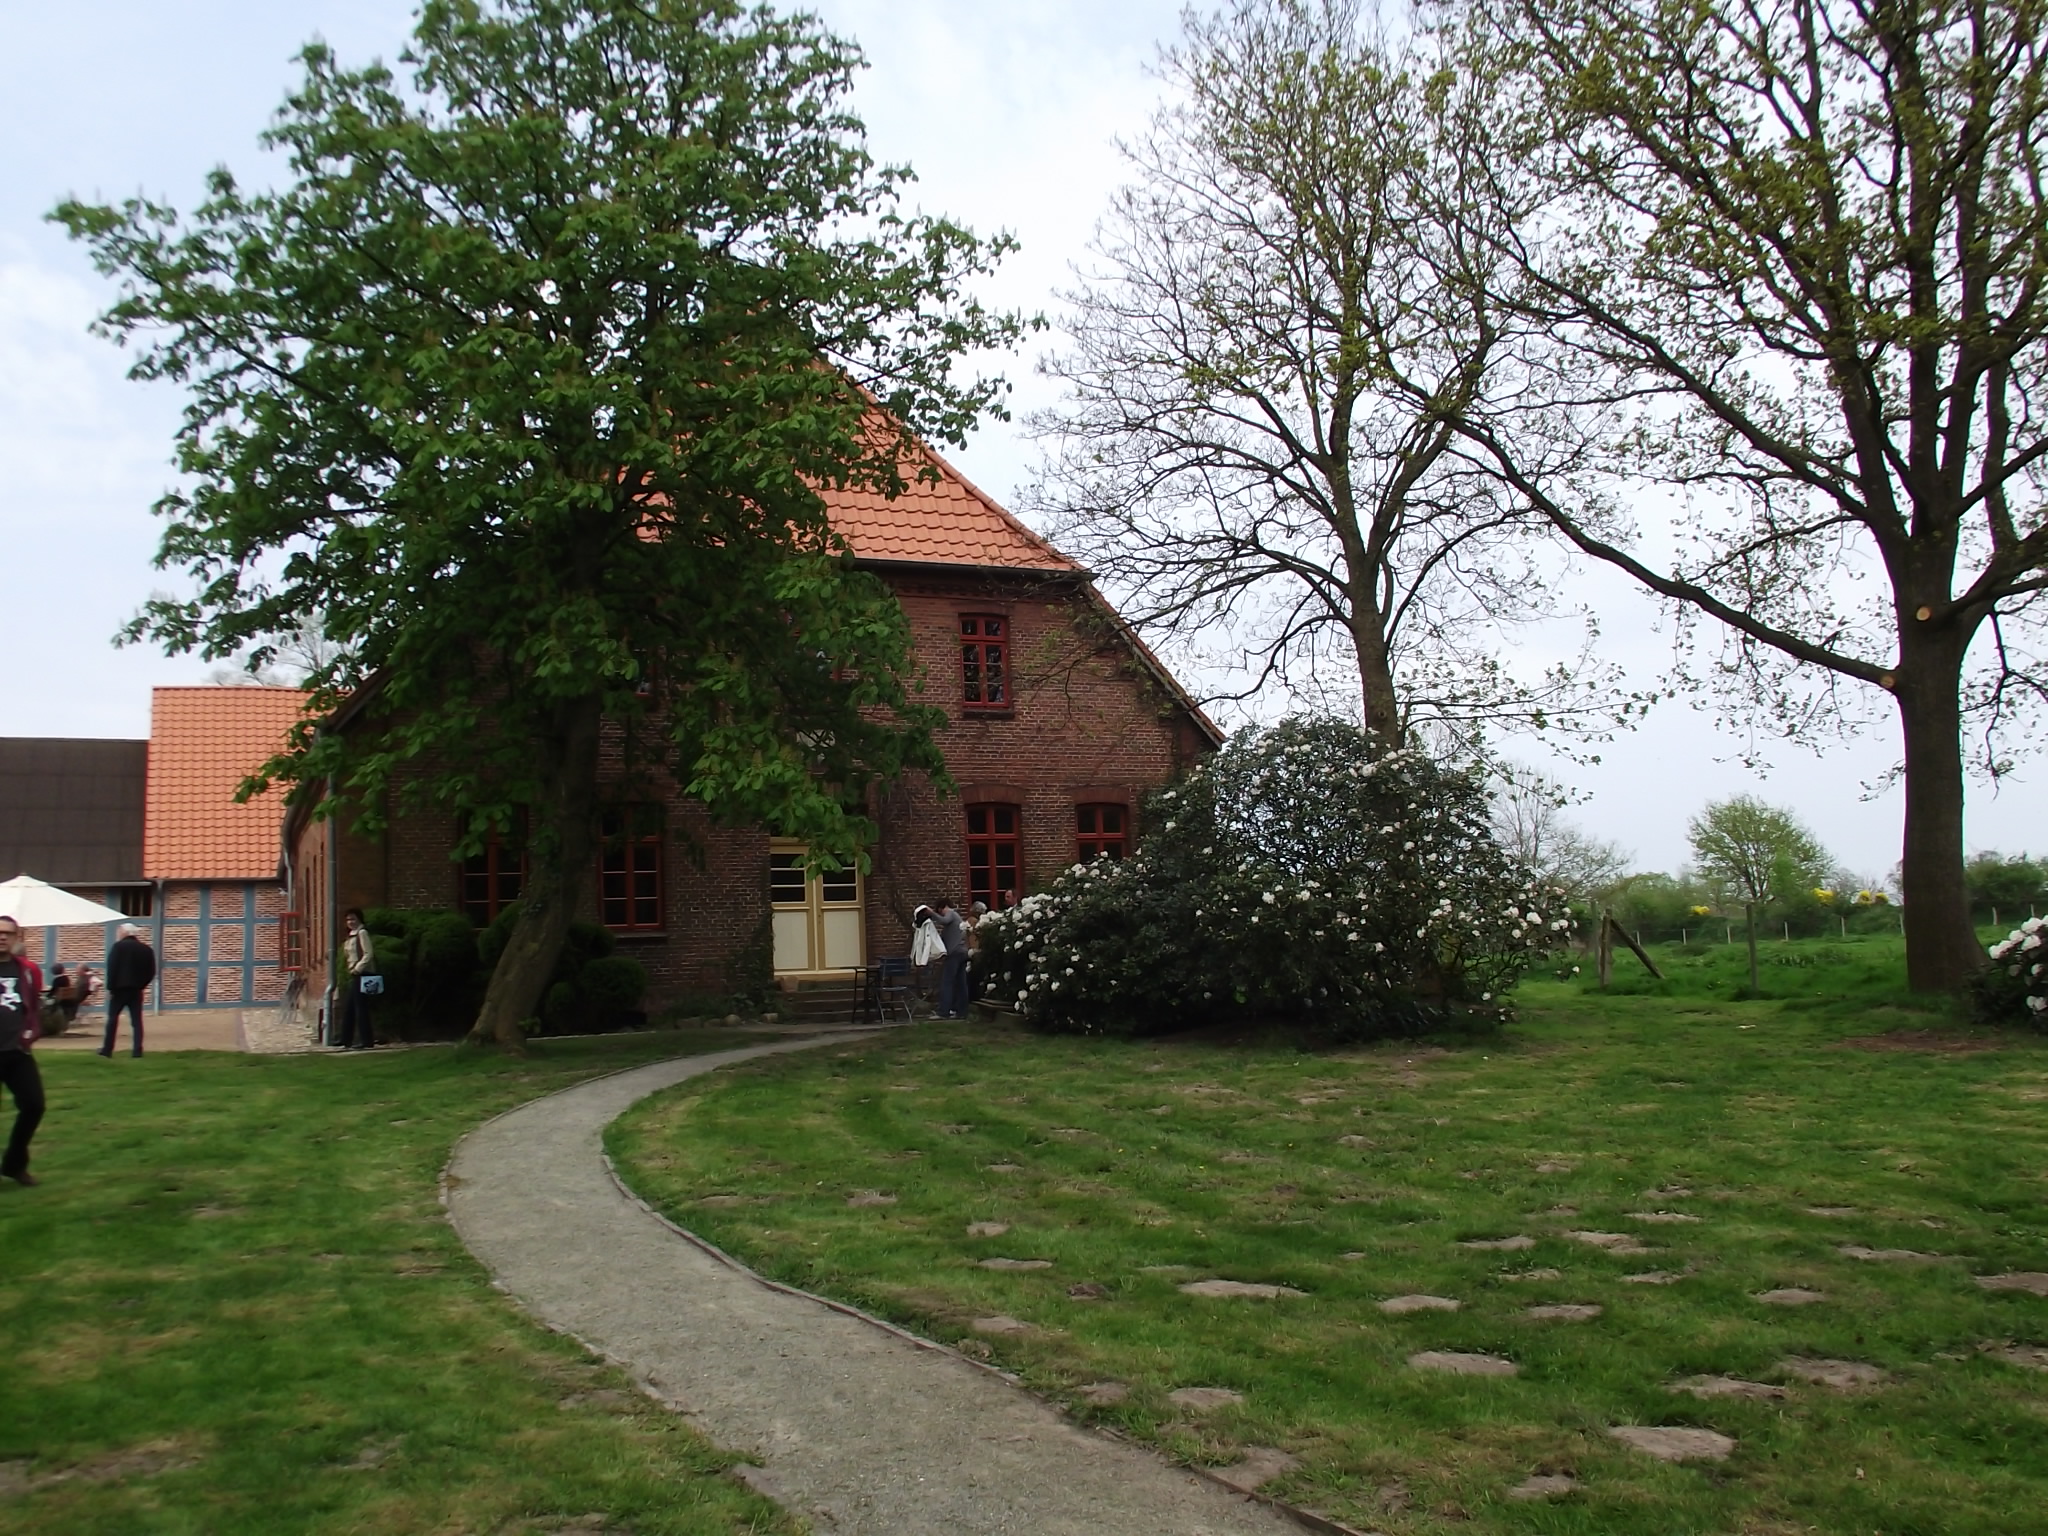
2014 987
1293 876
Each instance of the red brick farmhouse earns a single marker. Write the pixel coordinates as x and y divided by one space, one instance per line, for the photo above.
1058 721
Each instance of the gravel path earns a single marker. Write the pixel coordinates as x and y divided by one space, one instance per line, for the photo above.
856 1429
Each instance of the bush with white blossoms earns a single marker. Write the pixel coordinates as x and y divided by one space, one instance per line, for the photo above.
2014 987
1293 876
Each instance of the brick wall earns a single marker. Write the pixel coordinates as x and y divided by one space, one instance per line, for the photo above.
1087 724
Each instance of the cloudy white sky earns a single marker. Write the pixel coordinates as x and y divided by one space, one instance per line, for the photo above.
1009 115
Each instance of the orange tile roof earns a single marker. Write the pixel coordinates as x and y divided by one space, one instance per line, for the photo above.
949 521
202 743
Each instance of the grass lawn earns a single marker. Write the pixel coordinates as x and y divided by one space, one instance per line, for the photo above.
1739 1147
234 1306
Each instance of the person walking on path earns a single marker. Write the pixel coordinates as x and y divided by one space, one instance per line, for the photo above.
21 1021
953 979
131 967
360 956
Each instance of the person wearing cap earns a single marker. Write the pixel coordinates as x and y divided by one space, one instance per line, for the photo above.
21 1022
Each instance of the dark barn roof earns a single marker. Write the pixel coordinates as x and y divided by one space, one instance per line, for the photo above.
71 809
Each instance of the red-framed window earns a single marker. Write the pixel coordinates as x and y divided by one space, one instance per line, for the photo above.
631 865
494 878
1100 829
291 943
995 854
984 661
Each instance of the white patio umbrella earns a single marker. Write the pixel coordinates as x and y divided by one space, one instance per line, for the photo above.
33 904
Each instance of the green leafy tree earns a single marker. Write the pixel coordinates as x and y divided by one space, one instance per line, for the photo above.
526 380
1789 263
1761 853
2008 884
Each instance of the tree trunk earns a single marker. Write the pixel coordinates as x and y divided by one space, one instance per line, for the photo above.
564 837
1942 952
1749 919
1381 708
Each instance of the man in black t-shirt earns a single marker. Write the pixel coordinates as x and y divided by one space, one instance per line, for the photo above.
21 1021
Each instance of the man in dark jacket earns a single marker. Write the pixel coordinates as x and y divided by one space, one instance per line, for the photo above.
131 967
21 1021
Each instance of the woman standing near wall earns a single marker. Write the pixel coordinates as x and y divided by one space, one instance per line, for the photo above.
363 983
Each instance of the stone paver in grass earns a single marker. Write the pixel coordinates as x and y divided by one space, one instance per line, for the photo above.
1728 1386
2032 1282
1831 1210
1088 1290
1013 1263
1203 1399
1663 1218
1513 1244
1103 1394
863 1197
1249 1288
1791 1296
1564 1312
1543 1485
1354 1141
1259 1465
1610 1242
987 1228
1458 1363
1533 1274
1353 1256
1000 1324
1842 1375
1674 1443
2029 1357
1668 1192
1887 1255
1655 1277
1397 1305
1555 1167
1005 1168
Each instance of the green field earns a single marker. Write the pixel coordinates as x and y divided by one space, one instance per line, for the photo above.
1743 1147
234 1308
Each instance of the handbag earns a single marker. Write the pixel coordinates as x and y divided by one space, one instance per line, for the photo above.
372 986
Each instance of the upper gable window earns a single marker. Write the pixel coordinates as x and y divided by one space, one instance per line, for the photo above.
984 661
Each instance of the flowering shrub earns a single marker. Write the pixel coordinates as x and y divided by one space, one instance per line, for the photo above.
1293 875
2014 987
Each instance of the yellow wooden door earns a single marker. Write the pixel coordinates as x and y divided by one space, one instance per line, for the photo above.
819 919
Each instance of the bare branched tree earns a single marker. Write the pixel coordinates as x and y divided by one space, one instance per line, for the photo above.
1258 445
288 660
1804 243
1529 821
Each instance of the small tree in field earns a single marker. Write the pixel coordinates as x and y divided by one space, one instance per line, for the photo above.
527 380
1296 875
1762 853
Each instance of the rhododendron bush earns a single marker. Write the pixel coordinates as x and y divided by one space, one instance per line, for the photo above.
1294 875
2014 987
